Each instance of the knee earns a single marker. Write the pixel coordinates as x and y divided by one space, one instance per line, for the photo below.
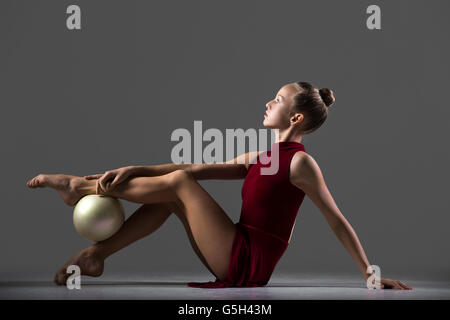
177 177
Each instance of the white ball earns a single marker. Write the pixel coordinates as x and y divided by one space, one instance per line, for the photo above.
98 217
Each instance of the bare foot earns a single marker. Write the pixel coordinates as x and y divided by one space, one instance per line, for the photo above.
90 262
66 185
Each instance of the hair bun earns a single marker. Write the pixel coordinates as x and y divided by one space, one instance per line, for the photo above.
327 96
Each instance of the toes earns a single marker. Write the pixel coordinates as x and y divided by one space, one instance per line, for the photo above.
59 279
37 181
55 280
32 183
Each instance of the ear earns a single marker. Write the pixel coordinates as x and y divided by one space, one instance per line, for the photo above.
298 117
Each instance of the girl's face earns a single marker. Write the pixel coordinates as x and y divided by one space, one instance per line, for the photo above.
277 110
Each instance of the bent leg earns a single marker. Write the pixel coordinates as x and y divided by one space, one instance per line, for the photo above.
212 229
144 221
179 212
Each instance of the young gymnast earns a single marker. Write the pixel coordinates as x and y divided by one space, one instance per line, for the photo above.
242 254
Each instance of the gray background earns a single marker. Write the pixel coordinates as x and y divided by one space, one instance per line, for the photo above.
82 102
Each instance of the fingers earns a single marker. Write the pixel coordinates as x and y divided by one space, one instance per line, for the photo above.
401 286
405 286
104 179
398 285
93 176
105 185
109 185
394 284
116 181
98 188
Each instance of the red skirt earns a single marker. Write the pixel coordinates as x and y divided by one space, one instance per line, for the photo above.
254 255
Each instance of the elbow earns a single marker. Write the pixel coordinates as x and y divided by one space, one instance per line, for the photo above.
337 225
192 169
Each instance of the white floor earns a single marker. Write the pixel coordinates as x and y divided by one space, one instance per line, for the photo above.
173 287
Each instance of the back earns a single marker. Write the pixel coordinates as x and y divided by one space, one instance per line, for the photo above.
271 202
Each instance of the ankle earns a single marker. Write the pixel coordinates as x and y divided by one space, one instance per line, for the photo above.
82 186
99 250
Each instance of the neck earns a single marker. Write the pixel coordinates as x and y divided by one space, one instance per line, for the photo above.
286 136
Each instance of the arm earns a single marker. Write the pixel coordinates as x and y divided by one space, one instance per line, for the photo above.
159 169
306 175
234 169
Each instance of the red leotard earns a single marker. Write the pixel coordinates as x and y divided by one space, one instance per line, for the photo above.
270 204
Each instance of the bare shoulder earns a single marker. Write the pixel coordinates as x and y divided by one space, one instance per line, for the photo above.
307 176
304 170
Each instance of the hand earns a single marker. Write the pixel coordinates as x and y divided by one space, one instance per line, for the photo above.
108 180
393 284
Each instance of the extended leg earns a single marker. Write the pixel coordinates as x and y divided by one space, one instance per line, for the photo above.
135 189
